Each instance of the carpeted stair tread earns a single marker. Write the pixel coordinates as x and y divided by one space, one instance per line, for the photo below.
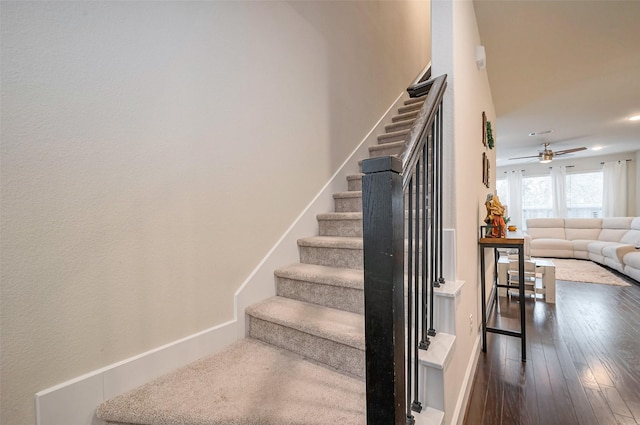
340 216
392 136
378 150
413 100
405 116
400 125
346 278
248 383
411 107
331 242
335 325
348 194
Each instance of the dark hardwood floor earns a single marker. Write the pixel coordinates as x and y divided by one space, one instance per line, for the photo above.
583 361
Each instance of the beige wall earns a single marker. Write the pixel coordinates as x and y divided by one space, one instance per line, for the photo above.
455 37
153 152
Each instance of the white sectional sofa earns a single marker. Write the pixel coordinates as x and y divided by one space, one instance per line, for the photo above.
614 242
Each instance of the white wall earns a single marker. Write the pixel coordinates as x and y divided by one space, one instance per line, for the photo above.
153 152
455 37
588 164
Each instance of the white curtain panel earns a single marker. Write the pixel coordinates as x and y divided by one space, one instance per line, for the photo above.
614 199
514 179
558 189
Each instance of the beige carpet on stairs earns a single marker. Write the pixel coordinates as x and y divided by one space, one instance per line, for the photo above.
585 271
249 383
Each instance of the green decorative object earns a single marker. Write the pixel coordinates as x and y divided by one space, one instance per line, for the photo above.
490 141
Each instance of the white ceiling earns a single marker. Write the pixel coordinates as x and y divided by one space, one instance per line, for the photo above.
568 66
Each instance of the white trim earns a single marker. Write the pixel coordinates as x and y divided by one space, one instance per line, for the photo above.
467 385
74 402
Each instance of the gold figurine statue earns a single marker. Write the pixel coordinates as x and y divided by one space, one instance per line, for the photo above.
495 211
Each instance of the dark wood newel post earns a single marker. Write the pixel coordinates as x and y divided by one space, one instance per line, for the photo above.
383 232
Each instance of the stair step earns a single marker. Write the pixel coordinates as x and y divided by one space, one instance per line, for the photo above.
429 416
331 251
329 336
393 136
439 353
340 224
400 125
350 201
337 288
413 100
387 149
247 383
354 181
411 107
406 116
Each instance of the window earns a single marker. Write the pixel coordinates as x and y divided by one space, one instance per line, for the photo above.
584 194
536 197
502 190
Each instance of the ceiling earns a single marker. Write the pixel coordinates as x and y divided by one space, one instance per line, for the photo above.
568 66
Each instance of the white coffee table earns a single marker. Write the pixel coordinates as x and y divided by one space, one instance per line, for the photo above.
547 271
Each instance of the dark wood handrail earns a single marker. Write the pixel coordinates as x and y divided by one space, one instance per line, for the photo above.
415 140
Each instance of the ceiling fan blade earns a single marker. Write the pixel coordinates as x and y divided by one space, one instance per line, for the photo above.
569 151
523 157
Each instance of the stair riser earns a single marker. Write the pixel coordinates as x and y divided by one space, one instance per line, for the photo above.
338 297
399 126
413 100
387 151
348 228
348 204
403 117
332 257
410 108
339 356
355 204
390 138
354 184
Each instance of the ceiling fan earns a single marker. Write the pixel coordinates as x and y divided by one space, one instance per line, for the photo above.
547 154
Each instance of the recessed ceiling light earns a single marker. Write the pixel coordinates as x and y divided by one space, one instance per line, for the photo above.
634 118
539 133
596 148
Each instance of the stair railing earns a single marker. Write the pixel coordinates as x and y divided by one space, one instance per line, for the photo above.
402 264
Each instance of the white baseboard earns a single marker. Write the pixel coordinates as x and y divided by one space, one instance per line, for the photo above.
467 384
74 402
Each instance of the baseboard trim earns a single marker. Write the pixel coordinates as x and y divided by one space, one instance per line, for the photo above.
74 402
467 384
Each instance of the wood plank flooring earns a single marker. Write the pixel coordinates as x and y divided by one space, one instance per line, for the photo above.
583 361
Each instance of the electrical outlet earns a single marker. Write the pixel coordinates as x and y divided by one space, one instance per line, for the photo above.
471 323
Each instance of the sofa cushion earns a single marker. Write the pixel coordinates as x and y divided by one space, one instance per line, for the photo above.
559 248
580 248
616 252
575 234
632 237
632 259
617 223
635 223
597 246
546 228
611 235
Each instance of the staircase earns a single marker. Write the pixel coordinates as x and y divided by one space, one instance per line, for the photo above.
303 361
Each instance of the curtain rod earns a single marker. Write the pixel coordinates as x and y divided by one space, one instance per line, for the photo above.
627 160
